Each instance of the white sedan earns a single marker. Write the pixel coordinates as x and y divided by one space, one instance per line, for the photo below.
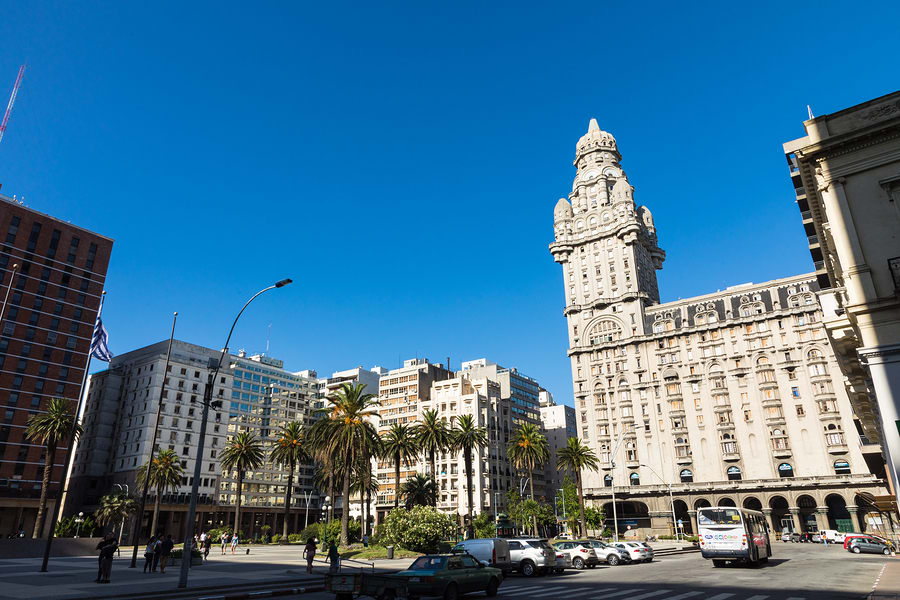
636 551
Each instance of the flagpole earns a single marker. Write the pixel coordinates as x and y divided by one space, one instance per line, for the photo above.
64 484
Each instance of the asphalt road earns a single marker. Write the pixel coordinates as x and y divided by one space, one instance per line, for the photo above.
795 572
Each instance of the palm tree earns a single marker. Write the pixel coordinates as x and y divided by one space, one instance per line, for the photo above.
575 456
347 432
243 453
399 444
51 428
433 437
527 450
165 472
419 489
289 450
466 437
114 508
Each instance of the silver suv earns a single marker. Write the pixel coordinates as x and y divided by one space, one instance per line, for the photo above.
531 556
612 555
581 554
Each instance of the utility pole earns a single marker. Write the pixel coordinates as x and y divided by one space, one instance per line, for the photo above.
12 100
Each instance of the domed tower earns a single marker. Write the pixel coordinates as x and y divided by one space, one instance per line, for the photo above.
606 244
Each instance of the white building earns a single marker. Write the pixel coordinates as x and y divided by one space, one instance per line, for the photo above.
558 421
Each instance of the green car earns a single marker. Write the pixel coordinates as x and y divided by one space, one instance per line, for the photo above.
449 576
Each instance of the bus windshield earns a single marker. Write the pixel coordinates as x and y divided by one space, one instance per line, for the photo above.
719 516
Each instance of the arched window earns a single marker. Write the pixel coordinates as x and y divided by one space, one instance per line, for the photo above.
762 360
814 354
604 331
607 481
593 221
734 473
687 476
635 479
785 470
841 467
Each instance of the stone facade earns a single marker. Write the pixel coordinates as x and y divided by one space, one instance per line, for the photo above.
727 397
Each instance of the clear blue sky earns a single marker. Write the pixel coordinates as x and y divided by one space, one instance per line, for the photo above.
401 161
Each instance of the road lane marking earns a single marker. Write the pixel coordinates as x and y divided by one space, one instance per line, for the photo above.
684 595
649 595
757 598
549 591
622 593
588 591
720 597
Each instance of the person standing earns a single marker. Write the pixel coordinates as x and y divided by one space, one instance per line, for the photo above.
234 542
334 557
107 548
157 552
224 541
207 544
165 550
148 554
309 553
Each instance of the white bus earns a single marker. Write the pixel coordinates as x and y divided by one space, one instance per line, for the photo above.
736 534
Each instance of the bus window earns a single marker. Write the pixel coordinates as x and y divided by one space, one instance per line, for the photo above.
718 516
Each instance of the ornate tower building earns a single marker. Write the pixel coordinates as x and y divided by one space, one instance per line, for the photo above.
728 397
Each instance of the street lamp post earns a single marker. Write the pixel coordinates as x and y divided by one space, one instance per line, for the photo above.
215 365
671 499
79 520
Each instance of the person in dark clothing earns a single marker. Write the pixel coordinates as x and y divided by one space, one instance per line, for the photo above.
157 552
207 544
165 549
107 548
148 554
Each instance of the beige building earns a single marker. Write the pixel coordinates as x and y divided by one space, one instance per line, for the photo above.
558 423
846 175
729 398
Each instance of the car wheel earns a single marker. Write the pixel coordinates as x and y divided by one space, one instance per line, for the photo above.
591 565
718 563
578 563
886 552
492 587
612 560
451 592
527 568
856 550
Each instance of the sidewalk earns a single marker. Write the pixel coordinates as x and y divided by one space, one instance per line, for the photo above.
887 585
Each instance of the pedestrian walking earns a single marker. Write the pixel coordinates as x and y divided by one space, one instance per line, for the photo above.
225 540
234 542
148 554
207 544
165 550
107 548
309 553
334 557
157 553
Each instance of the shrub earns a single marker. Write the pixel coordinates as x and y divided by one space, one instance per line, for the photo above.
180 552
276 539
311 531
294 538
484 526
420 529
377 538
216 534
333 532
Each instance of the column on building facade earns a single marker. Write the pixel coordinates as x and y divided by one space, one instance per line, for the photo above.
770 519
661 521
695 530
795 515
822 517
884 368
854 517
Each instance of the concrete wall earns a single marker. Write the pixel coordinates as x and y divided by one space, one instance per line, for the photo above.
28 548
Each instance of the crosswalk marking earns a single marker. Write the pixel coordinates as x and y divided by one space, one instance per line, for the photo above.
686 595
649 595
622 593
549 591
720 597
587 591
758 597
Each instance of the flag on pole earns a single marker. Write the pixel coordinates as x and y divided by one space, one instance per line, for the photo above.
99 343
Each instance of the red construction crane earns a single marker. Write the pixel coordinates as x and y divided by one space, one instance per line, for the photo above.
12 100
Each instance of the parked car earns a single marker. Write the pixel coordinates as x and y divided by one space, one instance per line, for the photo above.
610 554
870 545
563 562
531 556
564 536
649 550
493 551
851 536
786 536
637 552
833 536
581 555
450 576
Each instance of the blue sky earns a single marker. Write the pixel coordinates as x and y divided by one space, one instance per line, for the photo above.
401 161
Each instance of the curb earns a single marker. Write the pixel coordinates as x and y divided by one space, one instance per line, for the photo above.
267 593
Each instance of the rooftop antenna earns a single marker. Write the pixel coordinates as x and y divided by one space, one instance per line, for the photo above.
12 100
809 110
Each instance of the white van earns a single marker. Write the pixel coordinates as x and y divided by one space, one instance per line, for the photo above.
833 536
492 551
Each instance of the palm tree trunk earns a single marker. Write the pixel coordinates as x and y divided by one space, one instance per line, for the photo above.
287 502
531 491
581 503
434 475
331 497
45 485
156 512
470 528
237 504
345 510
368 502
396 480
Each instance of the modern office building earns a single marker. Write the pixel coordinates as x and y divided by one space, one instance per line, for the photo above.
732 398
257 395
53 275
846 176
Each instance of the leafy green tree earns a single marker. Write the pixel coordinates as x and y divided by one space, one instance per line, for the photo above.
567 503
420 529
51 428
243 452
419 489
289 449
346 431
466 438
527 450
433 438
165 471
485 526
575 457
399 444
594 517
115 508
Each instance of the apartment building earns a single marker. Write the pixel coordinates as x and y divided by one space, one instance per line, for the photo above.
558 422
52 275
